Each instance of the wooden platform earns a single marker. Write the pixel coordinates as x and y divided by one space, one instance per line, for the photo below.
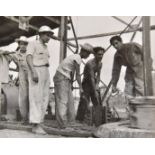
50 126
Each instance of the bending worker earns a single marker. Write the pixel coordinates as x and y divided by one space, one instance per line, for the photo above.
90 85
131 56
65 112
39 80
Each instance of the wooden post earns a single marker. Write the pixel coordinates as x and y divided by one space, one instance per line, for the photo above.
63 38
147 57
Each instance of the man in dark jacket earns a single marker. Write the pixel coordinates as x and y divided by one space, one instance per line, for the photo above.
131 56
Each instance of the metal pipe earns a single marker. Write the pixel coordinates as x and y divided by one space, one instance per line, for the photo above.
148 90
63 38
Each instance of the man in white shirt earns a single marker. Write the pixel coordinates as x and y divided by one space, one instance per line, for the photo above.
65 112
39 79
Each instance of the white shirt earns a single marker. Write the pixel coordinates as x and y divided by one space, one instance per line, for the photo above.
4 69
67 67
39 51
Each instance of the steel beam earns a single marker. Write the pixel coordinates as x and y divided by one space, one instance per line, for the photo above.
148 90
122 21
76 41
110 33
36 29
17 21
134 34
63 38
52 19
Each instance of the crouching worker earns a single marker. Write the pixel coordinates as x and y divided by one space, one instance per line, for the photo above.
65 112
39 79
90 85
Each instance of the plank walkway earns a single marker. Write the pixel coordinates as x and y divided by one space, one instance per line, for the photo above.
50 126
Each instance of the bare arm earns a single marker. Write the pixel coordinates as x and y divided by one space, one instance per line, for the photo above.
78 76
115 73
98 75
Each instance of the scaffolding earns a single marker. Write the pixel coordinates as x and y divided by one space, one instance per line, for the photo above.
65 23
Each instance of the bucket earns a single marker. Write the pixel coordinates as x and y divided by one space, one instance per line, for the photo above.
142 112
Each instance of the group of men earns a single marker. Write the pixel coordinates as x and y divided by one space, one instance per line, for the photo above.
32 59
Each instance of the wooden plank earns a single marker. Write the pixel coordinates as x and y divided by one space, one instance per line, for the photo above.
79 131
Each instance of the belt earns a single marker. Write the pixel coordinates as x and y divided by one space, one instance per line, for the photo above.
46 65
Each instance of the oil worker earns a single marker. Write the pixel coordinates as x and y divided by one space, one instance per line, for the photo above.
20 59
39 78
131 56
90 85
65 112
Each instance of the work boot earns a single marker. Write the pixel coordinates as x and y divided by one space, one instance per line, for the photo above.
25 121
37 129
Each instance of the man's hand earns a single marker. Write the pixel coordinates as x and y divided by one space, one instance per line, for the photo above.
35 76
97 87
97 98
2 52
81 91
114 89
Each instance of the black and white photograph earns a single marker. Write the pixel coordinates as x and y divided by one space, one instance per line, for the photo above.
77 76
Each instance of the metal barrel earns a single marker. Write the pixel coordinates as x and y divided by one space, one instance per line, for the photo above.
142 112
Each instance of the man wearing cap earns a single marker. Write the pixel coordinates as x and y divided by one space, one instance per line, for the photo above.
131 56
65 112
90 85
20 59
39 82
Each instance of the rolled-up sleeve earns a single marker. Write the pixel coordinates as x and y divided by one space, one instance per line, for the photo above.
30 48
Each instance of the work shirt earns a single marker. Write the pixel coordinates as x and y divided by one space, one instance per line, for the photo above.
92 70
20 59
131 56
4 68
39 51
67 67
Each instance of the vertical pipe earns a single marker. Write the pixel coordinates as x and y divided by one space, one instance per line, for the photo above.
63 38
147 56
0 98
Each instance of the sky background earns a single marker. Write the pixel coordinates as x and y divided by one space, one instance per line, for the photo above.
90 25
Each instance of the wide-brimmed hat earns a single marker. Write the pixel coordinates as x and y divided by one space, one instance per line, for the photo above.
44 29
22 39
87 47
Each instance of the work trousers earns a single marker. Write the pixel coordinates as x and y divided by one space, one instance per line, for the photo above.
83 108
65 111
134 87
39 95
23 94
134 81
